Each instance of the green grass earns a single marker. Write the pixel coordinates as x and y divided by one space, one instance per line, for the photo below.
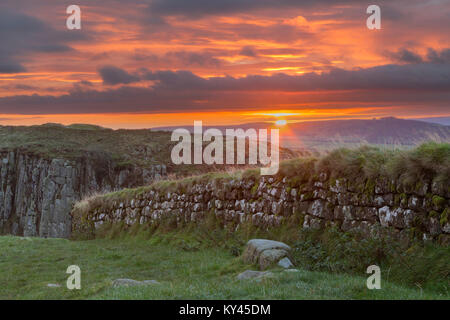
187 265
425 163
414 263
134 147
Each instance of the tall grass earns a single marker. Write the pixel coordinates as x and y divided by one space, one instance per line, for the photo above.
420 265
428 162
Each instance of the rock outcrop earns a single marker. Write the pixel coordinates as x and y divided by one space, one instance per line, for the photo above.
37 193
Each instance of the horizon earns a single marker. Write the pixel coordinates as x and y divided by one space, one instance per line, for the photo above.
442 121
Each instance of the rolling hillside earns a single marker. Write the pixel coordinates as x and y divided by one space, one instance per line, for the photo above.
320 134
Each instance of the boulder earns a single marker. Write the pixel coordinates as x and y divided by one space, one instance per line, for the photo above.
265 252
285 263
270 257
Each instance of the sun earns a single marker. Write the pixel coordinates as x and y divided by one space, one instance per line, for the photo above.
280 122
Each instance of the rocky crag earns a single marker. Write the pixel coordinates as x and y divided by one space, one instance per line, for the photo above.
37 193
46 168
316 199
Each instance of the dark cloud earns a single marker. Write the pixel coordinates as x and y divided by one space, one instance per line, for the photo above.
112 75
196 8
85 83
406 56
426 84
82 85
438 57
248 51
424 76
23 35
10 66
433 56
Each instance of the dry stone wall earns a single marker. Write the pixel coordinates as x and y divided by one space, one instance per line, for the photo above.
421 211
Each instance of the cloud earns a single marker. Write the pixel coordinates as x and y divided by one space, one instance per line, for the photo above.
9 66
181 58
435 57
112 75
424 76
196 8
248 51
438 57
424 84
406 56
23 35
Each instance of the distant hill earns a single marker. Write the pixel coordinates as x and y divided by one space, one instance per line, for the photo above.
439 120
393 131
376 131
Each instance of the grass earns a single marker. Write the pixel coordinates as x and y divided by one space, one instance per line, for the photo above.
415 264
198 272
425 163
202 261
123 147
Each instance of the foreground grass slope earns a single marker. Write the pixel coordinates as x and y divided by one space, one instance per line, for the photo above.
189 265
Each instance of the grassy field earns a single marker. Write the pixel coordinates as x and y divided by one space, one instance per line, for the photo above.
184 270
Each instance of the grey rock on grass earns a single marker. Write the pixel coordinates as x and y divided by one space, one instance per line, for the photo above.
265 252
285 263
132 283
254 275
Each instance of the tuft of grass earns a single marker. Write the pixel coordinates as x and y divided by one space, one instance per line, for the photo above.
428 162
425 266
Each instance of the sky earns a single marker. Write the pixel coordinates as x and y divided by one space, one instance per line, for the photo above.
150 63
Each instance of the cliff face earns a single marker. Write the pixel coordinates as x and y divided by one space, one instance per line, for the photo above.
421 211
37 194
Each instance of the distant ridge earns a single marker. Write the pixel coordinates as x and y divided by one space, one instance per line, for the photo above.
439 120
376 131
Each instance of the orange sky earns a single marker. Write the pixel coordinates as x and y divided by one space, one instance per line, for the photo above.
59 78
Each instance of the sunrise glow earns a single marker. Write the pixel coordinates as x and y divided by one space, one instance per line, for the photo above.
297 61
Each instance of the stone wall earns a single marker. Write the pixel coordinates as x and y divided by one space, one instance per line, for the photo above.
421 211
37 194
